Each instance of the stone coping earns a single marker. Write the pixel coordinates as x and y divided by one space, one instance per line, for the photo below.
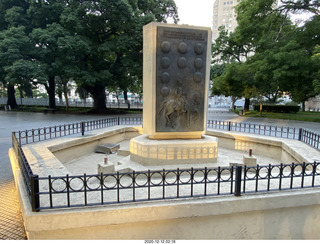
297 149
41 155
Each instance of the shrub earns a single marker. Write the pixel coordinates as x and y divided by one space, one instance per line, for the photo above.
278 108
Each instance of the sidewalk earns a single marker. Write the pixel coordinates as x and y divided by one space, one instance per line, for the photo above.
11 224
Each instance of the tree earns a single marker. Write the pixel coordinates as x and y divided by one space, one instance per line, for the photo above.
98 44
235 81
14 47
18 70
280 52
316 60
112 31
297 6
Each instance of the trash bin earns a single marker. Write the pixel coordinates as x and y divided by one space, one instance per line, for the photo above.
240 112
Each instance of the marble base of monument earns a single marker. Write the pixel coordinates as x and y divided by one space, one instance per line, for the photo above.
150 152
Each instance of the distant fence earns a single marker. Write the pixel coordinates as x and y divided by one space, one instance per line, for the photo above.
72 103
306 136
100 189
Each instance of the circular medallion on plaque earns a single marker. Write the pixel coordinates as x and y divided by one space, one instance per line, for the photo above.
195 98
165 91
197 77
198 63
165 77
182 47
165 46
182 62
165 62
198 48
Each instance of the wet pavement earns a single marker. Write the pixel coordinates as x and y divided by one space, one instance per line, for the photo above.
11 225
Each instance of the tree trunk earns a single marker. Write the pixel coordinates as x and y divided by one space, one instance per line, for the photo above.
11 97
125 95
65 92
28 91
246 104
303 106
233 99
99 98
51 92
260 105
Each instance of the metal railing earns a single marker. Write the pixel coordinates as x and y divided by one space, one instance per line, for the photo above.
102 189
251 128
86 190
46 133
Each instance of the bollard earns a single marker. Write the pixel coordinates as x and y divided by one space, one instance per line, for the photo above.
34 192
237 192
300 134
82 128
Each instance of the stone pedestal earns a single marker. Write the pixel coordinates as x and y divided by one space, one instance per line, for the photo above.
150 152
249 160
106 168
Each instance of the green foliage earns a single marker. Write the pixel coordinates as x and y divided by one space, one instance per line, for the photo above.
275 55
278 108
98 44
301 116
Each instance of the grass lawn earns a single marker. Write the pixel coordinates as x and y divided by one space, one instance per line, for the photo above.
301 116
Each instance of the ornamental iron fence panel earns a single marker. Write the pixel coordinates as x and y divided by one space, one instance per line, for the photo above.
103 189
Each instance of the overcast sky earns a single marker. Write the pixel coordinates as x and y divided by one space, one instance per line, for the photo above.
195 12
199 12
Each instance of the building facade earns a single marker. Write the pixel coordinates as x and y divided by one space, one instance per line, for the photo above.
223 15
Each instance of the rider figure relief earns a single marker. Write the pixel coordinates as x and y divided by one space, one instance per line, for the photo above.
173 105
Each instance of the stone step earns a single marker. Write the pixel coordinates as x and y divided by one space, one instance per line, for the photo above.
127 165
125 151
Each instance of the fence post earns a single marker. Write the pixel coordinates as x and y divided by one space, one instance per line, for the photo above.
237 192
35 201
82 128
118 120
229 126
300 134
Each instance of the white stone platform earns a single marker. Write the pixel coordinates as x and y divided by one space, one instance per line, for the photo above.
149 152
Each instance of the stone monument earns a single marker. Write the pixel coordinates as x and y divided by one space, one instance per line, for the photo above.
176 72
176 69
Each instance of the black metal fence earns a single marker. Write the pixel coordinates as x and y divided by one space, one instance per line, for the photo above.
251 128
86 190
308 137
46 133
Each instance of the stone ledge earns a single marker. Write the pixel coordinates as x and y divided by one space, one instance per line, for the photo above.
284 149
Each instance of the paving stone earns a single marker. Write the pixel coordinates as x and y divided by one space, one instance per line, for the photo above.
11 223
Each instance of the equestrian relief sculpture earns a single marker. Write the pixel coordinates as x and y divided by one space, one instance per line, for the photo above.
175 103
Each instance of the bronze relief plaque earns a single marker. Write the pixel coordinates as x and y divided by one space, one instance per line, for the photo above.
181 55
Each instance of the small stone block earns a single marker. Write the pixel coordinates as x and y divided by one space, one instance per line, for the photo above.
249 160
106 168
107 148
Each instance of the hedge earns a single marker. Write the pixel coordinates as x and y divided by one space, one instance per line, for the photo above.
278 108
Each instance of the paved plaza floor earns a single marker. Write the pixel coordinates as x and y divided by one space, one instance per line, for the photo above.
11 225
